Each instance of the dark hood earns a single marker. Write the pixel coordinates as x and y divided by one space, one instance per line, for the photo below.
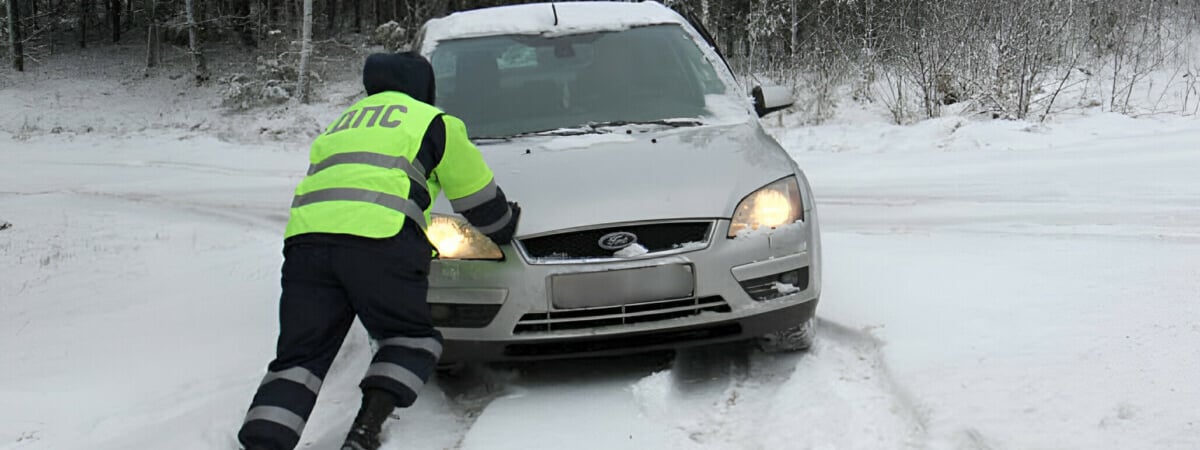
407 72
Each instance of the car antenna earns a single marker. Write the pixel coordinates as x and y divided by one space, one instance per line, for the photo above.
555 9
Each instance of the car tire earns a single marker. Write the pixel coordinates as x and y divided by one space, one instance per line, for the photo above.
794 339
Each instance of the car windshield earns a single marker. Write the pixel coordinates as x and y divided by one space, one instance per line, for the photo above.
511 85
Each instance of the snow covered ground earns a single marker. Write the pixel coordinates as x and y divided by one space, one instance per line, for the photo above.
988 285
1035 286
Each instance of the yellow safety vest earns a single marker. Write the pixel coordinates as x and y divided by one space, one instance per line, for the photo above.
364 168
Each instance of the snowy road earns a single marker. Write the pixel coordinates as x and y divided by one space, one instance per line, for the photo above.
987 286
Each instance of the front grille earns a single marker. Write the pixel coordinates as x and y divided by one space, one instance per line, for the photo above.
644 340
618 315
656 237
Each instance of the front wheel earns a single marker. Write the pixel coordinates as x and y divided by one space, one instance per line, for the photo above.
794 339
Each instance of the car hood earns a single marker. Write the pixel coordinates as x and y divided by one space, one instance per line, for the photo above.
632 174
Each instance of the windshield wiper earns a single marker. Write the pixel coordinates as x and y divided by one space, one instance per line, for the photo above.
593 128
673 123
551 132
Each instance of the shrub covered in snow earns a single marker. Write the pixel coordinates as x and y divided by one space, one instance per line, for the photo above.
273 82
390 35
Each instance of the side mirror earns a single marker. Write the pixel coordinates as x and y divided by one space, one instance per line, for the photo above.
768 99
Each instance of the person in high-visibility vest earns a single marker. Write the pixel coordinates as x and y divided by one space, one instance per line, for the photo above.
355 246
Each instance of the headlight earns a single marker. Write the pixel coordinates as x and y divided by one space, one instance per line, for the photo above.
454 238
774 205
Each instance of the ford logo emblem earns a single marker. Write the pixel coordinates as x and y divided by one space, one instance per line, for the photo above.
617 241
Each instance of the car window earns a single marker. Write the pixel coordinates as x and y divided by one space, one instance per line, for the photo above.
512 84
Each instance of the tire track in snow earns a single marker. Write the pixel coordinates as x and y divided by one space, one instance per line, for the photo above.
468 393
248 215
577 404
870 348
837 395
179 166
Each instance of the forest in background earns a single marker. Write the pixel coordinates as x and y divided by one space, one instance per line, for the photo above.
1000 58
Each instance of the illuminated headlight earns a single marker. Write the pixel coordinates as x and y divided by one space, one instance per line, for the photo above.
774 205
454 238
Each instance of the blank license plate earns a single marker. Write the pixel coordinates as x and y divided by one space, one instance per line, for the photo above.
622 287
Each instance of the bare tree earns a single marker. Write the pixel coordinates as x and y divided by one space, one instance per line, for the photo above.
357 16
794 28
288 7
331 10
15 35
198 61
1137 46
305 52
153 34
114 13
52 25
244 22
85 13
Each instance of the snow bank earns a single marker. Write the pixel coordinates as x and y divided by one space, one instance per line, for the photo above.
112 96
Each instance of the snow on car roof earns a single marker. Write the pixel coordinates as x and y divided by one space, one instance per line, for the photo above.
539 18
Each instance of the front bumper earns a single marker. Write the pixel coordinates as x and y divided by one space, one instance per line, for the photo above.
658 338
514 291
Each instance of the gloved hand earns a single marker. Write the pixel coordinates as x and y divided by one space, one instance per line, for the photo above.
505 235
516 211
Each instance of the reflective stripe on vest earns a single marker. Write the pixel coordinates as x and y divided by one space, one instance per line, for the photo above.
413 169
399 204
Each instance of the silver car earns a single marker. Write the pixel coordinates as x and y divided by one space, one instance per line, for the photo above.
656 212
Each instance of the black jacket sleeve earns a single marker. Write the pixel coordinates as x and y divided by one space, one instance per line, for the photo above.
470 185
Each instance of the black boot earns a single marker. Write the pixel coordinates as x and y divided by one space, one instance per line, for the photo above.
377 405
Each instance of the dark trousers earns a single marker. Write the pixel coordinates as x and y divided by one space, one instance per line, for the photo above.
327 281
